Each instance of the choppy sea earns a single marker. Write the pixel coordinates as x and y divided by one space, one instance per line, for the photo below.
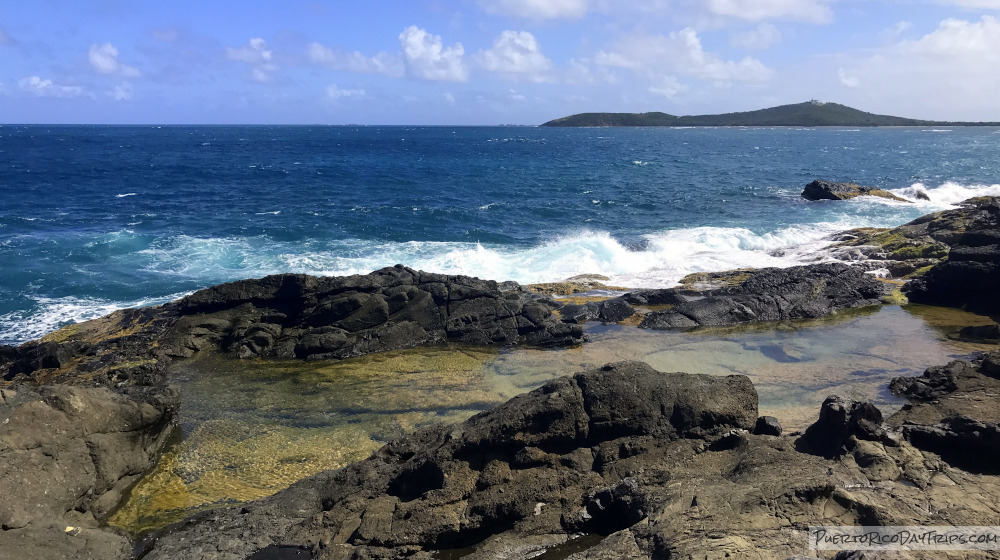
96 218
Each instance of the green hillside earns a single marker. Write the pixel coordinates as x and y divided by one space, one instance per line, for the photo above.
810 113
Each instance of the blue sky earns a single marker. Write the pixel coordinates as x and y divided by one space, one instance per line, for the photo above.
489 61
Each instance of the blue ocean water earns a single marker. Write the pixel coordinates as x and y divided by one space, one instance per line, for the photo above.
95 218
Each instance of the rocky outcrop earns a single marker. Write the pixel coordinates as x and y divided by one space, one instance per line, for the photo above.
773 294
557 461
646 464
67 456
299 316
972 270
86 410
821 189
910 249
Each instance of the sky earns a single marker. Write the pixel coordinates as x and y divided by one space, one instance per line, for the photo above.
488 62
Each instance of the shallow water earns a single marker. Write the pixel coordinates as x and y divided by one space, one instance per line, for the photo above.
251 428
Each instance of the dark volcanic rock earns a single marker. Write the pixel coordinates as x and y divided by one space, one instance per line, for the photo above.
86 410
839 420
773 294
550 462
767 426
307 317
970 444
828 190
968 278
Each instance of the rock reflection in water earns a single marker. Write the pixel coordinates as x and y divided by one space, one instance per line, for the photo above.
253 427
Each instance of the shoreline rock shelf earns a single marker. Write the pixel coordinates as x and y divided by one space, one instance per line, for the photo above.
663 464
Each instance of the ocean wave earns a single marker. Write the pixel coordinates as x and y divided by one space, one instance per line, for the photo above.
944 196
49 314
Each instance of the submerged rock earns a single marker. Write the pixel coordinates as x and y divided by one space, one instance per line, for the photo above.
86 410
551 462
774 294
821 189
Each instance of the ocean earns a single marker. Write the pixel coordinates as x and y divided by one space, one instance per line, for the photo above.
97 218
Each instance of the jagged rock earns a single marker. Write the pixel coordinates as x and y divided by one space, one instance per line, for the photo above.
515 470
839 420
767 426
971 444
327 318
968 277
828 190
773 294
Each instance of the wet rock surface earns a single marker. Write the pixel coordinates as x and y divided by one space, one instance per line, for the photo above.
663 464
972 270
86 410
821 189
772 294
908 250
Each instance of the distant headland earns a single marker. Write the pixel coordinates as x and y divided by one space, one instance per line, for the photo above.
810 113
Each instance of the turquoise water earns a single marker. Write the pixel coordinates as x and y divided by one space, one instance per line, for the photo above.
98 218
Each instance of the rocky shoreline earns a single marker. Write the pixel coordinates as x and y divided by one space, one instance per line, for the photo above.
641 458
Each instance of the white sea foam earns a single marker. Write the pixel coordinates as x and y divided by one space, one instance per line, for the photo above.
49 314
946 195
123 195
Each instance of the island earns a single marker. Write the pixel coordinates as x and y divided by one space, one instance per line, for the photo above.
810 113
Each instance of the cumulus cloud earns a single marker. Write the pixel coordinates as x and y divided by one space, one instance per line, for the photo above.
955 62
258 55
426 58
759 38
813 11
667 86
41 87
681 53
516 53
537 9
381 63
334 92
104 59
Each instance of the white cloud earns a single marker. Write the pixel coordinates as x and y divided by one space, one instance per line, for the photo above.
257 54
334 92
104 59
681 53
537 9
847 79
5 39
381 63
426 58
955 38
516 53
449 97
760 38
122 92
813 11
668 86
972 4
40 87
582 71
947 74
